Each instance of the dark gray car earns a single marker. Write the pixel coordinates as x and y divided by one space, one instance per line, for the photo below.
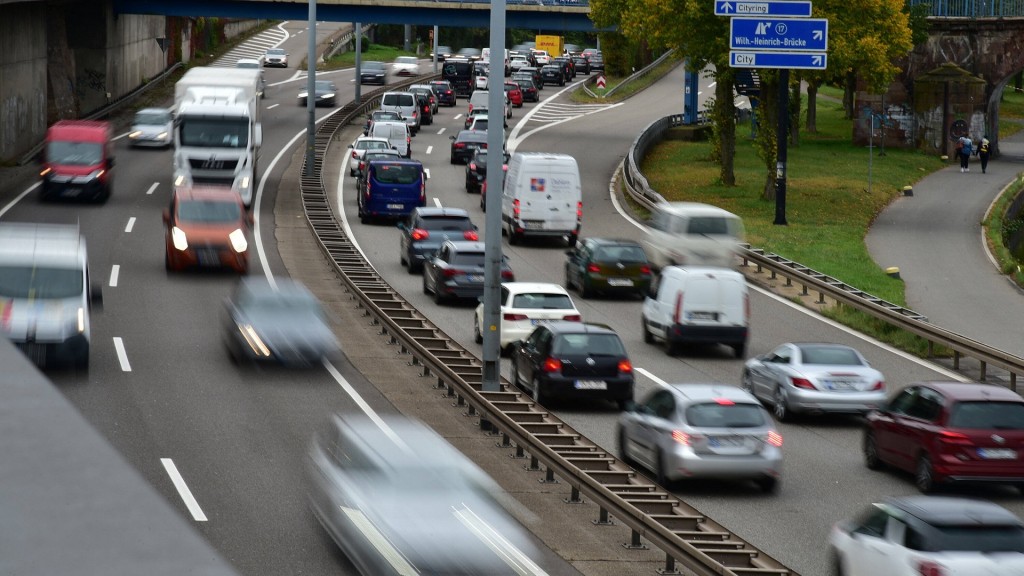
456 271
427 228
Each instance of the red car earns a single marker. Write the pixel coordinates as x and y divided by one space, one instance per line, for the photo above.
515 94
949 431
206 227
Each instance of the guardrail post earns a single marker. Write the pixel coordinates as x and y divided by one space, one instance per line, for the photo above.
1013 381
534 464
603 519
520 453
574 497
635 543
956 360
549 477
821 297
670 566
505 441
983 366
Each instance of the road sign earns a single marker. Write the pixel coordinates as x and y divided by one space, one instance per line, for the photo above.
600 82
803 60
801 34
795 8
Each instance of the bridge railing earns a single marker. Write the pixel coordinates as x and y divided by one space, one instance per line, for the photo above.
972 8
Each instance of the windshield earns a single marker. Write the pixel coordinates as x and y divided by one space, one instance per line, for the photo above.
208 211
987 415
829 355
588 345
469 259
152 118
372 145
275 52
397 100
969 539
324 86
74 153
211 133
712 225
373 65
444 223
725 415
542 301
247 65
405 60
36 282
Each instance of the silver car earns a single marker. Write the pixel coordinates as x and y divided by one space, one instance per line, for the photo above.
685 431
152 127
809 377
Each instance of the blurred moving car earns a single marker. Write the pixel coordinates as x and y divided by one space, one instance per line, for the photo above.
946 432
691 233
206 227
361 146
442 53
471 54
814 377
456 271
279 322
406 66
427 228
78 161
381 116
929 536
152 127
465 144
444 91
399 499
373 72
608 266
685 431
524 306
275 57
563 360
476 170
325 93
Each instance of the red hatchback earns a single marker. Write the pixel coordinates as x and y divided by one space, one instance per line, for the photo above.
949 431
515 94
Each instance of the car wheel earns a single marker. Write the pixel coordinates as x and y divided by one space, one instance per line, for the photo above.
623 453
747 382
426 289
514 368
740 349
838 566
623 404
660 475
648 337
767 484
452 160
780 407
924 477
538 395
513 238
568 279
478 337
439 298
585 291
414 268
870 448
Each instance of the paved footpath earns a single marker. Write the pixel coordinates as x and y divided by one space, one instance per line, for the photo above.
935 239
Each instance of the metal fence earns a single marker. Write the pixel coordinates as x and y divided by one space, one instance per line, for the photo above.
972 8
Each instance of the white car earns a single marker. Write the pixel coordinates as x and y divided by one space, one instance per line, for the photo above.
406 66
524 305
930 535
519 62
152 127
361 145
275 57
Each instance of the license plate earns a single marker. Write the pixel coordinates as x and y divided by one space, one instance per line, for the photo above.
208 257
591 385
536 321
71 191
620 282
701 315
997 453
725 442
838 384
395 206
533 225
475 278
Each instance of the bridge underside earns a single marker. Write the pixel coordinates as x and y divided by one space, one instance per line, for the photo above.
451 14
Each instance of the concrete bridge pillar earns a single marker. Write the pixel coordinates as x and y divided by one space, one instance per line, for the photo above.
23 57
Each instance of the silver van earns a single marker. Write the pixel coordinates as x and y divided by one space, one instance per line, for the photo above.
690 233
404 103
46 293
397 133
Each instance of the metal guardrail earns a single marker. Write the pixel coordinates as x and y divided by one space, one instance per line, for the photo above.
638 188
972 8
641 72
683 533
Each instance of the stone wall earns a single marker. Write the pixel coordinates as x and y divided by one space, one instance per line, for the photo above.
22 78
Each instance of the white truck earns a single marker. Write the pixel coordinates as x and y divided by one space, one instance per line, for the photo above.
217 131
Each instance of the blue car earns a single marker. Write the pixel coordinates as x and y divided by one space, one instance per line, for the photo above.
391 189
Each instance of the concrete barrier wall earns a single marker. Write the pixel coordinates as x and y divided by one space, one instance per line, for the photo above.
133 54
22 78
235 27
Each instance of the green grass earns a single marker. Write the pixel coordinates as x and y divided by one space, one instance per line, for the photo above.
580 96
993 226
1011 112
376 52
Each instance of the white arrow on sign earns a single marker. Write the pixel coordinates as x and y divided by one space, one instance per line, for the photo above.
817 34
816 60
726 7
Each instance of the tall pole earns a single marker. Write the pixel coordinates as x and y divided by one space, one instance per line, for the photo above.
359 62
782 138
311 92
435 49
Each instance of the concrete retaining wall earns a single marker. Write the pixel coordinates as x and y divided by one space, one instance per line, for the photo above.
133 54
236 27
22 78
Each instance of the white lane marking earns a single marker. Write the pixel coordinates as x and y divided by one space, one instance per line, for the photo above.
506 550
513 137
426 171
273 106
651 376
119 136
183 491
152 188
131 224
385 549
302 76
457 116
441 131
430 149
347 387
114 271
18 199
122 356
437 202
341 208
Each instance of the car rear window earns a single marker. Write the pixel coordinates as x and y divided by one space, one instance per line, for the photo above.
208 211
468 259
444 223
397 174
987 415
398 100
542 301
829 355
620 254
708 225
968 539
588 344
725 415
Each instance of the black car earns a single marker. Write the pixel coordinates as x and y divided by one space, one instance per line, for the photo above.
426 228
325 94
552 74
467 142
428 91
608 266
456 271
561 360
568 68
596 60
582 64
476 170
373 73
535 75
424 106
381 116
531 92
444 92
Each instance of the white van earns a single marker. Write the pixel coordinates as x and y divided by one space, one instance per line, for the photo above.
542 196
397 133
697 305
693 234
404 104
46 293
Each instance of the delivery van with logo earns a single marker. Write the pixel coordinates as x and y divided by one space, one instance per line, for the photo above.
542 197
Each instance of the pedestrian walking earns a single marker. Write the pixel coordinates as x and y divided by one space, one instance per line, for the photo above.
983 152
964 148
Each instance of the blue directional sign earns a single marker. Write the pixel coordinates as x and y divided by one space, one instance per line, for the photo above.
792 8
801 34
794 60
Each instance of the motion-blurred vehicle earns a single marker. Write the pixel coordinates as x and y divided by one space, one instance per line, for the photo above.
814 377
607 266
381 116
255 64
465 144
456 271
476 170
277 323
387 489
370 156
275 57
515 95
46 293
406 66
683 431
427 228
444 92
206 227
443 52
946 432
373 72
325 93
693 234
531 93
78 161
152 127
361 146
471 54
391 189
929 536
524 306
573 360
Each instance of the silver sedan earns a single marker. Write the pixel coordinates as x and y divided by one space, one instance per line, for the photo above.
807 377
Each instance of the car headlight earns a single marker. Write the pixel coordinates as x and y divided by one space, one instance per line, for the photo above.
328 95
303 94
89 177
161 136
243 183
238 242
81 320
254 340
178 239
182 179
135 134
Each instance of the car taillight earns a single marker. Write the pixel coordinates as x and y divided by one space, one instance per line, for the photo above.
775 439
426 107
472 165
880 385
551 365
677 314
515 208
802 383
625 366
579 211
514 317
681 437
645 269
354 155
369 186
956 438
593 268
460 145
572 318
470 109
450 272
420 234
508 275
930 568
423 190
471 235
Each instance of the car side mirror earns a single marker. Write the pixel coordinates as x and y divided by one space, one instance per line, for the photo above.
167 216
401 226
351 146
251 219
452 138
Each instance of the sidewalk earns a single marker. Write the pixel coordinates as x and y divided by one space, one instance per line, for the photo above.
935 239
